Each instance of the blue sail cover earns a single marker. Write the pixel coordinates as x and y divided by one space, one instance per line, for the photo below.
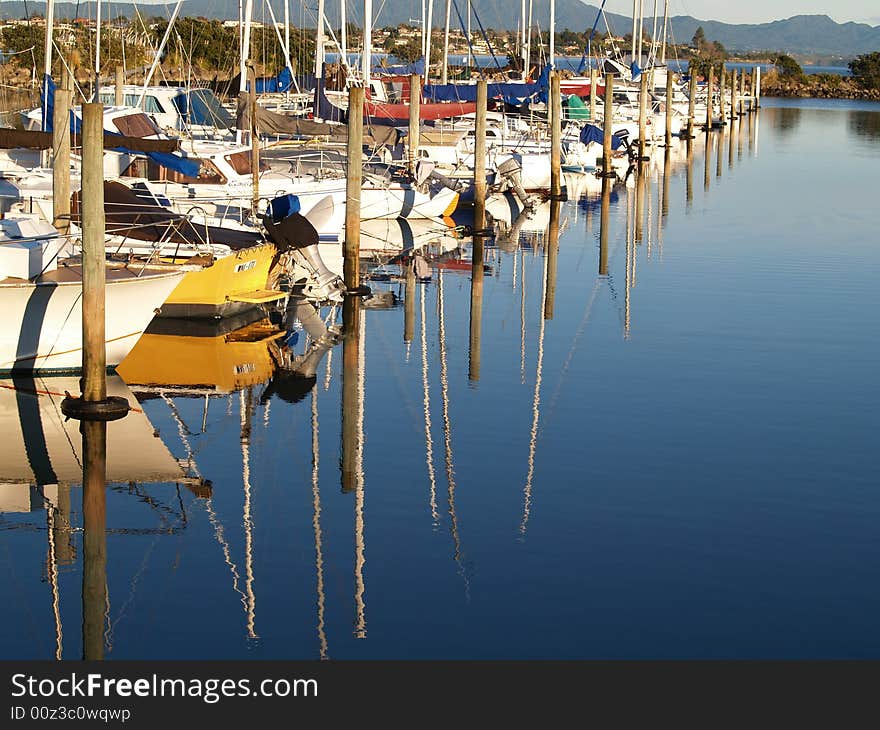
592 133
512 93
635 71
184 166
276 84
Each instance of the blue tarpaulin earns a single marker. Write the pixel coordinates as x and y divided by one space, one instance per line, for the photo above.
592 133
276 84
513 92
184 166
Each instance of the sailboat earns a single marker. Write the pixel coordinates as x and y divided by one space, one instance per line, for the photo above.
41 299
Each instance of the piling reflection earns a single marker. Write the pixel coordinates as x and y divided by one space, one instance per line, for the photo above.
94 510
552 253
476 308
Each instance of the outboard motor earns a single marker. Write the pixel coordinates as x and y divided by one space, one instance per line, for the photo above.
509 171
295 235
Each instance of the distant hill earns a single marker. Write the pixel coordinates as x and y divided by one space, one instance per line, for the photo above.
801 34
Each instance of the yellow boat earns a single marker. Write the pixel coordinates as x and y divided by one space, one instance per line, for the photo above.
191 357
226 287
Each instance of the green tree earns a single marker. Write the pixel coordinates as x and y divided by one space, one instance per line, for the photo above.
699 39
866 69
788 67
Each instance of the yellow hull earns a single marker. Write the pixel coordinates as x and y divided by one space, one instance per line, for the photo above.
230 285
220 364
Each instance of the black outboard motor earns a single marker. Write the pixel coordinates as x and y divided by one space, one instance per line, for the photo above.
295 235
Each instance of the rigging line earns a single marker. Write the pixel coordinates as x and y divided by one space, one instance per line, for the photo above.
133 584
536 403
447 441
429 441
224 547
316 526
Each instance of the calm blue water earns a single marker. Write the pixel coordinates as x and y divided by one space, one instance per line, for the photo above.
679 463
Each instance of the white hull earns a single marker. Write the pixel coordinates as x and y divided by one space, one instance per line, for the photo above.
43 330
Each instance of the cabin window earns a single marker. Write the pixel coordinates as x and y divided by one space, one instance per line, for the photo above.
241 162
135 125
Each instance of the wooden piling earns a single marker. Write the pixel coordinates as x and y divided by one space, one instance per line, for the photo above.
643 114
733 101
757 86
668 136
352 244
594 80
413 134
710 84
480 156
555 136
692 101
94 363
607 123
61 160
119 96
94 511
723 107
742 92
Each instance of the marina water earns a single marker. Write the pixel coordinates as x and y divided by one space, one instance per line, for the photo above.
673 460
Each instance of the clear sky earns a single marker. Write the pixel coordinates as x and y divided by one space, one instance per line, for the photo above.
758 11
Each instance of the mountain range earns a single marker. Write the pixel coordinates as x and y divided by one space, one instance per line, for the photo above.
801 34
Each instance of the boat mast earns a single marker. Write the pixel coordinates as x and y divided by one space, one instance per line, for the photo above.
552 33
368 44
97 49
654 35
444 71
528 51
47 66
665 23
287 31
633 39
158 55
319 39
343 34
430 23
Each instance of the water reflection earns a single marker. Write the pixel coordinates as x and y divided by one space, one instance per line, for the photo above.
864 124
785 119
566 314
44 456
